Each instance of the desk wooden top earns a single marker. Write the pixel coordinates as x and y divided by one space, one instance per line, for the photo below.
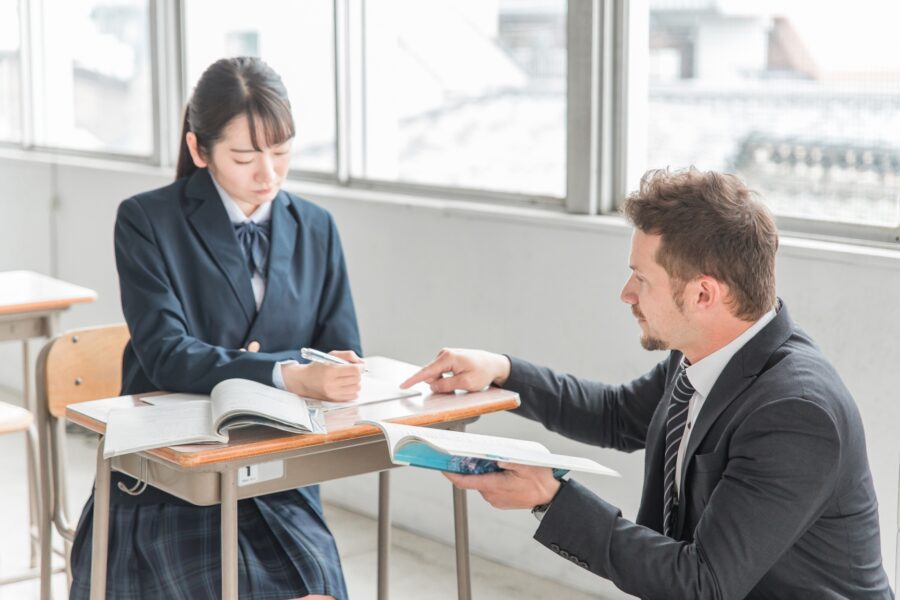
430 409
27 291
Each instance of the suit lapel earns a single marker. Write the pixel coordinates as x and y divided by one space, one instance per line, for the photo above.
210 221
281 250
743 368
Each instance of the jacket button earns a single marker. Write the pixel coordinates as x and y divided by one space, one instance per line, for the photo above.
554 547
564 554
583 565
574 559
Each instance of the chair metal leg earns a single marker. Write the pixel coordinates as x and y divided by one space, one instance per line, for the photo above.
45 525
461 530
100 539
384 533
60 488
228 494
33 508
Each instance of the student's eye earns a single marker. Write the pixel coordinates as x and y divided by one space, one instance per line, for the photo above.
243 162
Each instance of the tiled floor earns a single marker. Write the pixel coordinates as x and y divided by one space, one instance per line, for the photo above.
420 568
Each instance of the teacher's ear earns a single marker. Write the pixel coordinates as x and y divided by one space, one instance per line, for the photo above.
193 147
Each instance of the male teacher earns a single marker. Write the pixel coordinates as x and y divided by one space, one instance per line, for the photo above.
756 479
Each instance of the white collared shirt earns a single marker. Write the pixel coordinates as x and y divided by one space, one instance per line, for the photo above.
262 214
703 376
237 216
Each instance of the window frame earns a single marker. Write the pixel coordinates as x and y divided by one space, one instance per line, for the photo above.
606 112
32 43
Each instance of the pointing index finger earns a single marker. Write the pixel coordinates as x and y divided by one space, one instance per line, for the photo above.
429 372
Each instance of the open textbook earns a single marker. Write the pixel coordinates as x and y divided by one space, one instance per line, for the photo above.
175 419
472 453
192 418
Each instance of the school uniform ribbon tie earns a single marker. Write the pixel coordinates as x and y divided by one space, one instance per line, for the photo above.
675 423
254 240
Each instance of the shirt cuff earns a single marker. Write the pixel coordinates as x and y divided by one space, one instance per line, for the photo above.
277 378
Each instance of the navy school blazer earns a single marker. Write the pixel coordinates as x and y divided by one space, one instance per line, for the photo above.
187 297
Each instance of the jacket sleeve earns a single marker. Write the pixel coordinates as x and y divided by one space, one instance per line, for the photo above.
780 473
173 359
613 416
336 327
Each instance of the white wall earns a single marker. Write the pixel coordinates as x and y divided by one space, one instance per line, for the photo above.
427 274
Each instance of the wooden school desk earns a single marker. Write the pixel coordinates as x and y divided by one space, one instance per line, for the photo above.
206 476
30 304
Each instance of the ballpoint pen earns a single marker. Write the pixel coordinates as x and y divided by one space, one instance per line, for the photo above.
314 355
321 357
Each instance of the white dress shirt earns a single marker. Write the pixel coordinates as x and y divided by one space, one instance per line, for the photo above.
262 214
703 375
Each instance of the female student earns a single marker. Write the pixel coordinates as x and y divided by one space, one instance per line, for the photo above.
217 262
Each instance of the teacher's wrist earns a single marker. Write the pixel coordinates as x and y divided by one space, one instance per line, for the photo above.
502 369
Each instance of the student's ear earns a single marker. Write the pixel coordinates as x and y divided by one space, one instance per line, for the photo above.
196 155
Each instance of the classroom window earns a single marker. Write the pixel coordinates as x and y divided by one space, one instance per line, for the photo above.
94 91
463 93
294 38
10 73
801 99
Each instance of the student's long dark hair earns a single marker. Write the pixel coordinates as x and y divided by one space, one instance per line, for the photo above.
228 88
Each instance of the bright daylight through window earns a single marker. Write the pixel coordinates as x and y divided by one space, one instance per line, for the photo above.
801 99
299 45
10 73
92 84
468 93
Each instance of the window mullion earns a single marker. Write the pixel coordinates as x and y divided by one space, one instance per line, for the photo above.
342 89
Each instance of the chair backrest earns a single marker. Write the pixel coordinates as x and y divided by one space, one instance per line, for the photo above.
80 365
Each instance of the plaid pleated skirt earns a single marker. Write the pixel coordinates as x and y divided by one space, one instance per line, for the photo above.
173 552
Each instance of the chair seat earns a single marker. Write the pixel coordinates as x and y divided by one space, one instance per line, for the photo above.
14 418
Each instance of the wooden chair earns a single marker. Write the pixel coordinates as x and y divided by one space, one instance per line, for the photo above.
14 419
75 366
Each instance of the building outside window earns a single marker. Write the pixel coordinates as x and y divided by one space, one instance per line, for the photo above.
801 99
93 92
465 93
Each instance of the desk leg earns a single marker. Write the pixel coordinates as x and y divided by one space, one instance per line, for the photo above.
100 539
461 527
228 494
384 533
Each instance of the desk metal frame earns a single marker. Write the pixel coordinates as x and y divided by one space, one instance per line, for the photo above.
217 484
209 475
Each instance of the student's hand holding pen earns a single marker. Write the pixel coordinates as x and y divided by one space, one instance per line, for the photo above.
460 369
336 376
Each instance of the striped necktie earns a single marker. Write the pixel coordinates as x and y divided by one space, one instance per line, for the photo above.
678 413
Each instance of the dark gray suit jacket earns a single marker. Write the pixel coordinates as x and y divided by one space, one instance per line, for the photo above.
777 497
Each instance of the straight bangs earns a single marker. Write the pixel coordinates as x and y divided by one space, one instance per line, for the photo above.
273 115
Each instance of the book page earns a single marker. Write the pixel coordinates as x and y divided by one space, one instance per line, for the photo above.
163 399
476 445
372 390
239 398
143 427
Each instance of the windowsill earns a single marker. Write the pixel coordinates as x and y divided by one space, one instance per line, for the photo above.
796 245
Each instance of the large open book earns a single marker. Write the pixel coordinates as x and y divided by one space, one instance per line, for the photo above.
175 419
191 418
472 453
